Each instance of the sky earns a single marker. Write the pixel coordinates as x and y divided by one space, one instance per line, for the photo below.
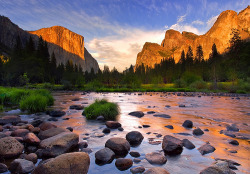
115 30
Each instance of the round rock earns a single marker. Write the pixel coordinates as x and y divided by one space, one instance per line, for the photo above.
123 163
21 166
136 170
118 145
156 170
3 168
187 124
156 158
10 147
138 114
188 144
134 138
198 132
113 124
104 156
172 145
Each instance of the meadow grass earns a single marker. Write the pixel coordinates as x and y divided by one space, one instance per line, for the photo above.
101 107
27 99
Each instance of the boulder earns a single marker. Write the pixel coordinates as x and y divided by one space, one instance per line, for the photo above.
136 170
59 144
46 125
104 156
187 124
135 154
219 167
10 147
156 170
134 138
113 124
20 133
138 114
123 163
32 139
57 113
21 166
76 107
51 132
70 163
156 158
188 144
10 120
120 146
172 145
162 115
3 168
198 132
206 148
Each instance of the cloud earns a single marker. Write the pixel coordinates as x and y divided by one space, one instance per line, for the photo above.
198 22
181 18
185 27
121 51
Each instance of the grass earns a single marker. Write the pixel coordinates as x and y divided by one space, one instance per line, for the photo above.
27 99
102 107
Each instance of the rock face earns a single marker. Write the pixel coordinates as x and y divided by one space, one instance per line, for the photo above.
71 163
174 41
66 44
10 147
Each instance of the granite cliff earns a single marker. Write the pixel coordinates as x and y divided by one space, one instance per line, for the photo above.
64 43
174 41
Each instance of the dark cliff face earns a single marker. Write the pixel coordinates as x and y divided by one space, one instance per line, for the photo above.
220 34
64 43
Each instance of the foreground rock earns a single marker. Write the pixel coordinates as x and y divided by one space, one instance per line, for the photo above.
120 146
21 166
46 125
156 170
3 168
20 133
51 132
138 114
198 132
136 170
10 147
123 163
172 145
10 120
32 139
59 144
70 163
187 124
113 124
206 148
156 158
104 156
134 138
219 167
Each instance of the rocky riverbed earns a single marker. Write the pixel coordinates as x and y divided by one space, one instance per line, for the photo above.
155 132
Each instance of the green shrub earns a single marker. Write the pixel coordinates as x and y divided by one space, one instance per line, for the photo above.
199 85
190 78
101 107
180 83
34 103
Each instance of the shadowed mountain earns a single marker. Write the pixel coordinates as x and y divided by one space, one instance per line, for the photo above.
174 41
64 43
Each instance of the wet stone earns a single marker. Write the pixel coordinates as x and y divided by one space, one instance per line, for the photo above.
150 112
106 130
136 170
233 142
162 115
169 127
120 129
206 148
187 124
113 124
70 129
104 156
138 114
123 163
87 150
172 145
134 138
188 144
57 113
135 154
136 160
156 158
198 132
146 126
3 168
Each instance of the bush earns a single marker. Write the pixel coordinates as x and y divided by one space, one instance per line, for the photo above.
180 83
190 78
102 107
199 85
34 103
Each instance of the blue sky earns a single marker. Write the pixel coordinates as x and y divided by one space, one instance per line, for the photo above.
115 30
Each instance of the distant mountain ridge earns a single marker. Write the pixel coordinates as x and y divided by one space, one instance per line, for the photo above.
64 43
174 41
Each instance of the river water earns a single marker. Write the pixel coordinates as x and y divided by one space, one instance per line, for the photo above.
212 113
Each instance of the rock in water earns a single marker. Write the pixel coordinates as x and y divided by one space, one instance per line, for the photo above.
70 163
198 132
156 158
10 147
134 138
187 124
156 170
57 113
3 168
123 163
21 166
51 132
59 144
138 114
120 146
136 170
172 145
113 124
46 125
104 156
219 167
10 120
206 148
188 144
162 115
